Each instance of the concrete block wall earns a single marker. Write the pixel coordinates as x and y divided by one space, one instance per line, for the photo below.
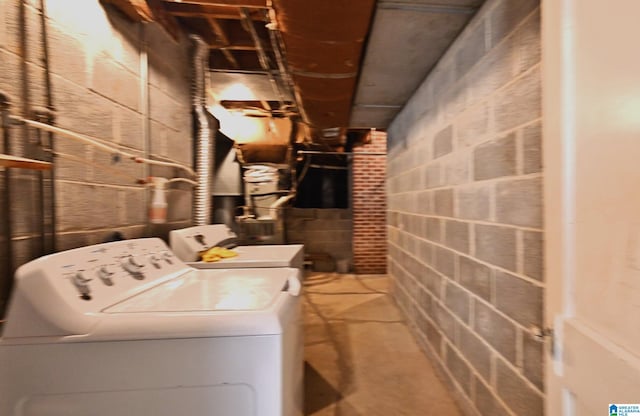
369 207
465 212
100 88
322 231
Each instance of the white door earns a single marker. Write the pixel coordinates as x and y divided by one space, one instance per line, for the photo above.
591 89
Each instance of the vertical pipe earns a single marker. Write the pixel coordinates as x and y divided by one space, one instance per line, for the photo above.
145 108
51 247
203 134
6 198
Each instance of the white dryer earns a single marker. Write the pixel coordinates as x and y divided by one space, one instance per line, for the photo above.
187 243
125 328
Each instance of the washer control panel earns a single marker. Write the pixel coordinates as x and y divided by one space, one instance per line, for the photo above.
62 293
113 267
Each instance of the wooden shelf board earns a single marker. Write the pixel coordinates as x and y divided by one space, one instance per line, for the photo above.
23 163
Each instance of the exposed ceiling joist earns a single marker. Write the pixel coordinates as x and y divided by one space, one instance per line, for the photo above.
136 10
222 36
261 4
216 12
234 46
147 11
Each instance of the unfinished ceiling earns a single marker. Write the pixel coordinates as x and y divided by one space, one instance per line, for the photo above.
311 53
406 41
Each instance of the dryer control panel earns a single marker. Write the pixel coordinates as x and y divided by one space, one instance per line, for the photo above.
59 294
187 243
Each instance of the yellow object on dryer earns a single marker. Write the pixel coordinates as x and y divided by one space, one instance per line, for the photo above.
216 254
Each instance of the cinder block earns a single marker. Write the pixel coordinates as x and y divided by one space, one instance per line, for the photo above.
68 241
434 337
116 83
25 197
496 245
424 301
67 56
454 102
486 401
473 202
475 351
82 111
472 126
472 48
457 299
166 110
129 125
433 229
433 176
533 359
492 72
459 369
176 56
444 261
519 202
12 24
520 102
519 299
506 16
457 235
498 331
533 254
73 206
431 281
475 276
443 142
443 202
495 159
532 149
445 321
456 170
516 393
25 250
528 38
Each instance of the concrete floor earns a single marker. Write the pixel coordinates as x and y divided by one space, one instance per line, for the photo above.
361 359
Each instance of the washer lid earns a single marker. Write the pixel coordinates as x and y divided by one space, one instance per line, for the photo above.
210 290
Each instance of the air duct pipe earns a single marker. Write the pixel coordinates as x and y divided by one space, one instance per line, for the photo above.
205 127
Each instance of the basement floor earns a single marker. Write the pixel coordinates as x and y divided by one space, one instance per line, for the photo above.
361 359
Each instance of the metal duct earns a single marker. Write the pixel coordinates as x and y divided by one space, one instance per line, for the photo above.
205 127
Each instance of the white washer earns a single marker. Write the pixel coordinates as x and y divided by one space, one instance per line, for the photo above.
187 243
125 328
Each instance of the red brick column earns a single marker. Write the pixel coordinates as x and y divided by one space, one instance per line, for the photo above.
370 207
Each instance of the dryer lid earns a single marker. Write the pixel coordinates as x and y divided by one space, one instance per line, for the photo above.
210 290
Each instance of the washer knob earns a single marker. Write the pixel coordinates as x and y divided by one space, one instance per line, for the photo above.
133 264
104 273
154 259
167 256
80 282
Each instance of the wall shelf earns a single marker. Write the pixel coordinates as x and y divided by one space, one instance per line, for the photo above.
23 163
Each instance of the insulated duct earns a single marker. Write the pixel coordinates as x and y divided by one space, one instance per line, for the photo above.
205 127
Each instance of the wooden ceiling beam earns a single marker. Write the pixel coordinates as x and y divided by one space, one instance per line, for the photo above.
259 4
136 10
222 36
233 47
216 12
147 11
